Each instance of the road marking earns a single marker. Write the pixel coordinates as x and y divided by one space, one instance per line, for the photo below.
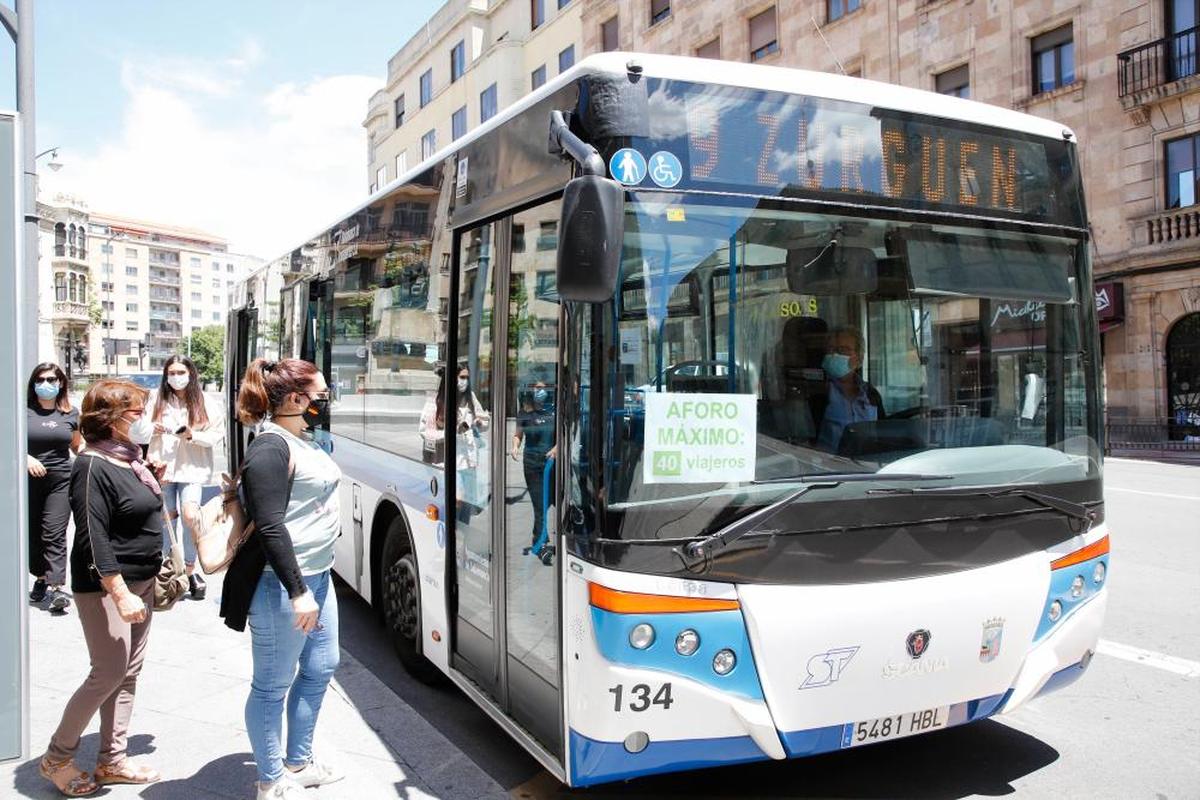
1180 666
1152 494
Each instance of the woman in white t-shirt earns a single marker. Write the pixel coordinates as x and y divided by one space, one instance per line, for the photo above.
189 431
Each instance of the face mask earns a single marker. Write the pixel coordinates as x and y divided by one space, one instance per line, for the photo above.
462 384
540 395
178 382
140 430
836 365
46 391
316 413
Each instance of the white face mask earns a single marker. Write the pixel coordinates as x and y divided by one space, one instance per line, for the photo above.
177 382
141 430
462 384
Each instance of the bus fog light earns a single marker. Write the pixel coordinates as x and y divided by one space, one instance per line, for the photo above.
642 636
1077 587
1055 611
724 662
687 642
636 742
1098 573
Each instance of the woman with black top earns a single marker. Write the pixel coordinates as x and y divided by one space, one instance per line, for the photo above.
52 433
117 552
280 580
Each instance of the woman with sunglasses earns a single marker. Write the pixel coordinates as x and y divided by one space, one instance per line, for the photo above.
52 434
280 581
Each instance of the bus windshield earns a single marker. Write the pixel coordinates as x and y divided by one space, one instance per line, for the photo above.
755 347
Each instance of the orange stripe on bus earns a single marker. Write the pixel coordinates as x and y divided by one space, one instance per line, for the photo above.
1096 548
637 603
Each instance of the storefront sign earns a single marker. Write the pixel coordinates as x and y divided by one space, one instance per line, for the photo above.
1110 302
699 438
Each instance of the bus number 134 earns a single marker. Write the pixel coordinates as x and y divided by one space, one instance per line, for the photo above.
640 697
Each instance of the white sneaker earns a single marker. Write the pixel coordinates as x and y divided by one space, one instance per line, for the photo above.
316 773
283 789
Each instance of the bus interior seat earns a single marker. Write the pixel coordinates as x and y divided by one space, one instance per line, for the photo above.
798 378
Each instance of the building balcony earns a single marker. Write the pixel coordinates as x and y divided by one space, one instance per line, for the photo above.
69 311
164 278
1169 229
159 296
1159 70
77 255
166 315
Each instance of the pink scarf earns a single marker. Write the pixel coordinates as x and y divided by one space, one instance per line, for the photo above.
131 454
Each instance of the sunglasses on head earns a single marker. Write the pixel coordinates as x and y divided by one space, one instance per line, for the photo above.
51 381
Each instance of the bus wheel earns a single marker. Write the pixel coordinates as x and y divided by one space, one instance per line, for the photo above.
402 605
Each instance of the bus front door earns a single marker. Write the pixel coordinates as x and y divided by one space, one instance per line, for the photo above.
242 336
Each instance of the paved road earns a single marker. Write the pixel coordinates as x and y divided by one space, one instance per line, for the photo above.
1129 729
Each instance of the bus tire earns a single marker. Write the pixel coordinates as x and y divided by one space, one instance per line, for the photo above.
402 604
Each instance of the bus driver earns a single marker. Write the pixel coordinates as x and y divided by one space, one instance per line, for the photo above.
849 398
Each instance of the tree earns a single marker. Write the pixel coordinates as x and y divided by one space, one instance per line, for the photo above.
207 348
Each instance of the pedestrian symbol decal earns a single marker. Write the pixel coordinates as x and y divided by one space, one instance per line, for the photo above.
665 169
628 166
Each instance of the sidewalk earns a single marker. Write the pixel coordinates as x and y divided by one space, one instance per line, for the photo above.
188 719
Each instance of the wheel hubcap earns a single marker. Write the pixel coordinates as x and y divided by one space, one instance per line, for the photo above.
401 598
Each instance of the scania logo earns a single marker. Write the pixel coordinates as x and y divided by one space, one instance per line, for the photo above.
918 642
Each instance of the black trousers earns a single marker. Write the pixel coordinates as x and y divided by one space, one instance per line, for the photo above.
534 483
49 512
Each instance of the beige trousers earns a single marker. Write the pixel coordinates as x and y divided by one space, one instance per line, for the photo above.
117 650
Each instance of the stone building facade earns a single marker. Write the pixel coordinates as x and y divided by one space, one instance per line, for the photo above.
1123 76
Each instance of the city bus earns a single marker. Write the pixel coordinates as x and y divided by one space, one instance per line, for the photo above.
693 413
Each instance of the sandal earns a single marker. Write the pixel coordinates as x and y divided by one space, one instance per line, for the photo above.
126 772
69 779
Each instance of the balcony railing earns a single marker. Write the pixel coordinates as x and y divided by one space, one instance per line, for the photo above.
165 278
65 309
1157 63
1173 226
168 315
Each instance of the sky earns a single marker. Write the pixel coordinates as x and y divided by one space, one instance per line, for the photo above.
242 118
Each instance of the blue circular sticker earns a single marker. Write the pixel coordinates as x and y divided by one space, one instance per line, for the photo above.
628 166
665 169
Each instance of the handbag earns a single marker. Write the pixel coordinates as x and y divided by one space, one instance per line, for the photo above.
171 582
224 526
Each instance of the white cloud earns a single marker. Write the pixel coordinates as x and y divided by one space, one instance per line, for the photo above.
262 169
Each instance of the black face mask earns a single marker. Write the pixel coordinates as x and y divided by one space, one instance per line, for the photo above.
316 413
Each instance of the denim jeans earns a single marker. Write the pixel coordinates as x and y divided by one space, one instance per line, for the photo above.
174 496
278 648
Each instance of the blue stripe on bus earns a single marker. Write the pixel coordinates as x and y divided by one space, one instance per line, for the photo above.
370 467
594 761
717 629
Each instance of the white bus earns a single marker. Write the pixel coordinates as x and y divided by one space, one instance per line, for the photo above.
782 425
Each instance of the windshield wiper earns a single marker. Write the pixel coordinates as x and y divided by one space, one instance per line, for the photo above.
1067 508
853 477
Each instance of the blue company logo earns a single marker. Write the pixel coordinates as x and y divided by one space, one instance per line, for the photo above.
665 169
627 166
441 534
825 668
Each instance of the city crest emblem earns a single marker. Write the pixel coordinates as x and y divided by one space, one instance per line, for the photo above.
989 645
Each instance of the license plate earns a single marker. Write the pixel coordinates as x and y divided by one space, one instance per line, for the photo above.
894 727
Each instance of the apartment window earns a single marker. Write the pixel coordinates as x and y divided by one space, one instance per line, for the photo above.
399 108
107 305
566 59
131 271
547 235
131 252
131 308
518 237
955 82
659 10
1183 171
710 49
381 176
197 314
107 269
106 248
458 123
563 4
428 144
426 87
216 265
197 279
763 37
609 39
194 261
131 325
216 300
487 104
196 296
216 283
229 267
837 9
458 61
538 77
60 286
131 289
537 13
216 316
105 286
401 163
1053 59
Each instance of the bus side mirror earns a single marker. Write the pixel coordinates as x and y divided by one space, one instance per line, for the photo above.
592 230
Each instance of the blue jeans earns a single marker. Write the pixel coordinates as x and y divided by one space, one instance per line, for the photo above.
174 496
278 647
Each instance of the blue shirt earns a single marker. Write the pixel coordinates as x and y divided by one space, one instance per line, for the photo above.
842 410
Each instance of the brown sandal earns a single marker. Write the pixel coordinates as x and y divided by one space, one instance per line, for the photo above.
126 772
69 779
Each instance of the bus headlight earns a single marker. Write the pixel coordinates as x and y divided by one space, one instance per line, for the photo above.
1077 587
642 636
1055 611
1098 573
687 642
724 662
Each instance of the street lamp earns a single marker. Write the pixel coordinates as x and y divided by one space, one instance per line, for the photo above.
54 164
